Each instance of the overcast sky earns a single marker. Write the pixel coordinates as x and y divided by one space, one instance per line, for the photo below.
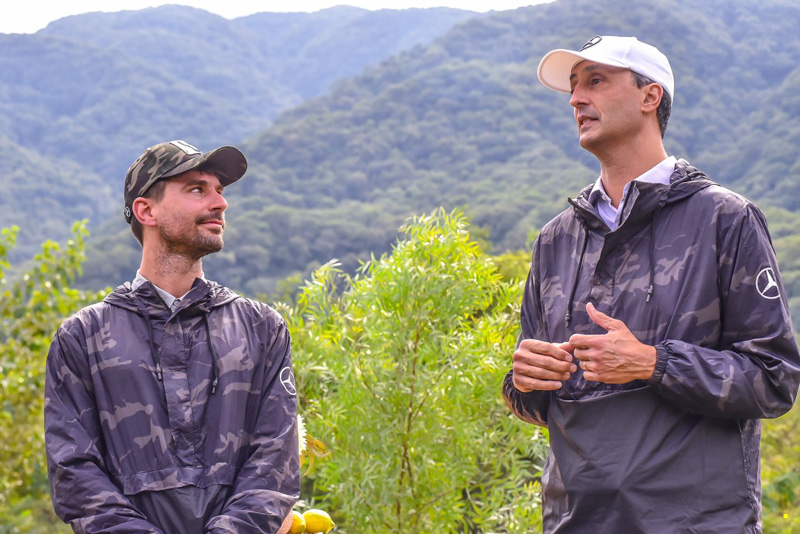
29 16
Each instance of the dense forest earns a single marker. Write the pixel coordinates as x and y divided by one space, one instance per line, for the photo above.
446 111
82 98
458 119
463 122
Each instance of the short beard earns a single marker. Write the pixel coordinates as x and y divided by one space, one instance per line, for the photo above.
196 245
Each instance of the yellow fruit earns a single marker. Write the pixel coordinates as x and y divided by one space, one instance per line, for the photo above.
298 523
318 521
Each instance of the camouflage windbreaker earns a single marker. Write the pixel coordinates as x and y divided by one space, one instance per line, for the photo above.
179 422
692 271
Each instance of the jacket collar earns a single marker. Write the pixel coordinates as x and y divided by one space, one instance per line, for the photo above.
202 297
645 199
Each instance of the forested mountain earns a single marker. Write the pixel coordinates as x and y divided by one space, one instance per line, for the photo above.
464 123
80 99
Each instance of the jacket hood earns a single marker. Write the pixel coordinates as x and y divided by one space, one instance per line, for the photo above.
645 198
205 295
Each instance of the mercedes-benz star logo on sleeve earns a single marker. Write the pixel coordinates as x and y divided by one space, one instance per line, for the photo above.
287 380
767 285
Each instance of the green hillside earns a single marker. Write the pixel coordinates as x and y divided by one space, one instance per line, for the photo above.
459 122
84 96
464 123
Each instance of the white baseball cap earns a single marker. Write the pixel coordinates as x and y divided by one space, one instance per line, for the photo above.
625 52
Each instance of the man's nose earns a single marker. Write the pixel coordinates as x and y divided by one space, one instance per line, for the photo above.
577 97
219 202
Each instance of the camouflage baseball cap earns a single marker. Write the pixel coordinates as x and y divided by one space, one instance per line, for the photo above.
172 158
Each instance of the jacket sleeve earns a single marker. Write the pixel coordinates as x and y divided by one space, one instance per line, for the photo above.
529 406
268 484
83 494
755 370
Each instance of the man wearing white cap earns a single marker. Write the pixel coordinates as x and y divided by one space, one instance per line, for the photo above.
655 331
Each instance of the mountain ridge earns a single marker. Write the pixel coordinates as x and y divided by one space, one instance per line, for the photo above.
97 89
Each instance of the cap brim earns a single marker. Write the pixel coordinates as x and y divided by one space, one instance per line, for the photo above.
227 161
556 66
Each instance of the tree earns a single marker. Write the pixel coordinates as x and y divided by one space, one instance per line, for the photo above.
399 370
31 308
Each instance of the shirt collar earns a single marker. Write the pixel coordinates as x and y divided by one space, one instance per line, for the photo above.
169 299
659 174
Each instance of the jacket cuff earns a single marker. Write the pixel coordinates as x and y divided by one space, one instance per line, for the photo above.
662 356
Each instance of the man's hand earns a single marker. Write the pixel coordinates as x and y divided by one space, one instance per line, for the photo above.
616 357
540 365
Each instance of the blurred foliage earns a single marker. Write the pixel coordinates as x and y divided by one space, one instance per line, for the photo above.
31 308
780 473
399 372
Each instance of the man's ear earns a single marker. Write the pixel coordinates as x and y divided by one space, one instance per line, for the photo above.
143 211
652 97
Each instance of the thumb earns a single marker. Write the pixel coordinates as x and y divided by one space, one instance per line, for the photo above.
600 319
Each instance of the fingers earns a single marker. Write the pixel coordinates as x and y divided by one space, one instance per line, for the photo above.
526 384
590 370
589 355
601 319
590 366
539 365
559 351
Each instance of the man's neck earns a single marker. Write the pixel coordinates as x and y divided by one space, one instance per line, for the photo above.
620 168
174 274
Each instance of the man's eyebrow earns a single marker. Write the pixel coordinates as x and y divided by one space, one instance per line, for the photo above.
589 68
200 181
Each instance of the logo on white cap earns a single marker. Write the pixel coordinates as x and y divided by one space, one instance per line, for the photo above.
591 42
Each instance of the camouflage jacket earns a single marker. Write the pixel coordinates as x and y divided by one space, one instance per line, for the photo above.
691 270
188 415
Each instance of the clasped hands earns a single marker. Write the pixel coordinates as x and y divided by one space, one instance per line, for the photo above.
615 357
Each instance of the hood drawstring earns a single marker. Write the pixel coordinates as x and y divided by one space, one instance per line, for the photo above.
656 213
652 285
568 316
150 339
156 361
213 354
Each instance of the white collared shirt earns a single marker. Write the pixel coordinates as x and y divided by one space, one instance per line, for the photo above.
660 174
169 299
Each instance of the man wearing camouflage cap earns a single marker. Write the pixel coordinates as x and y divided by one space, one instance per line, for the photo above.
655 328
170 406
